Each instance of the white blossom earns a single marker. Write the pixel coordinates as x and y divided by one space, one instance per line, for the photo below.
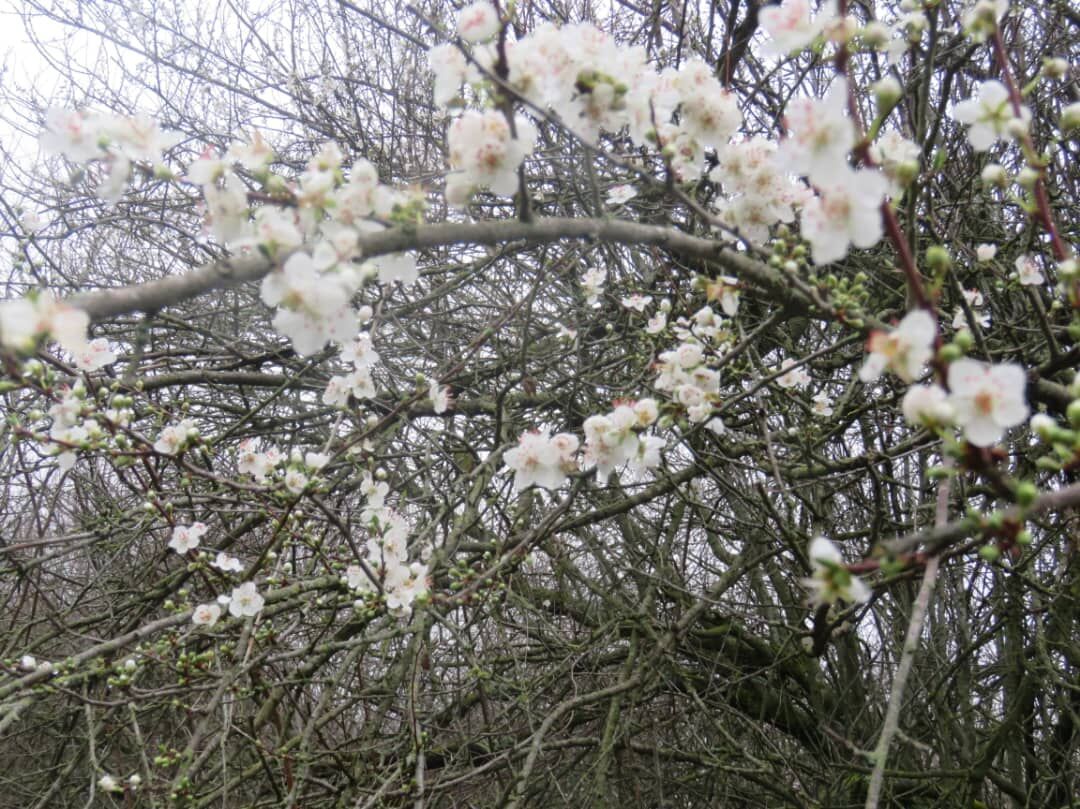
987 399
245 601
904 351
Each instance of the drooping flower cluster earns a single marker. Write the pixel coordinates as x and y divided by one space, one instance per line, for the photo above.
830 581
358 383
387 555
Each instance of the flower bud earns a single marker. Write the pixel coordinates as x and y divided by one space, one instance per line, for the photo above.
995 174
886 93
1055 67
1017 128
1070 117
1043 426
1072 413
938 258
1027 177
876 34
1026 493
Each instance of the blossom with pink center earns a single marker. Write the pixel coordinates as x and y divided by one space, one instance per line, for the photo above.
245 601
477 21
186 537
846 213
76 135
790 25
819 135
904 350
1028 270
485 153
536 460
206 614
94 355
987 399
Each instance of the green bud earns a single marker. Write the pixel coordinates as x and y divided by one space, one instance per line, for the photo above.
1026 493
950 352
963 340
989 553
1072 413
938 258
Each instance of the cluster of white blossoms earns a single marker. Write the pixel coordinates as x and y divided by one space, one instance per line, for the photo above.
25 321
387 554
361 355
757 191
317 225
846 210
792 26
484 153
269 466
684 373
69 429
619 438
611 440
542 459
259 463
116 142
975 301
983 400
245 601
313 307
585 77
